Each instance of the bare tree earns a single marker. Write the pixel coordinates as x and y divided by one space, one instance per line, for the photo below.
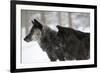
59 18
70 19
24 22
43 18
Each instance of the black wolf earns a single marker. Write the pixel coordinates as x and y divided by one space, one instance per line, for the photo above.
76 43
60 45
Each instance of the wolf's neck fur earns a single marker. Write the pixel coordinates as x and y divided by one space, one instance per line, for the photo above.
47 36
47 32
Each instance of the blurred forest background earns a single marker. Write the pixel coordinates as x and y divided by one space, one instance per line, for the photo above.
79 21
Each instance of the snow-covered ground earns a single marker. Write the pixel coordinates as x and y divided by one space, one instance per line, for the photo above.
31 52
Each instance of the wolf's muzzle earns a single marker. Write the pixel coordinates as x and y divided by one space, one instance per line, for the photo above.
27 39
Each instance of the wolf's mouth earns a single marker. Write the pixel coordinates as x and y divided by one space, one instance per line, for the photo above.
27 39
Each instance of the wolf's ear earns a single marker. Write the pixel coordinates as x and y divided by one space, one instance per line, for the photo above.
32 22
37 24
60 28
36 20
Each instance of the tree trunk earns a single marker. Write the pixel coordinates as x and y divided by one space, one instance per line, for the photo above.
43 19
59 18
70 19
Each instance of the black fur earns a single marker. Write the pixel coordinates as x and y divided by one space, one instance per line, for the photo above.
66 44
76 43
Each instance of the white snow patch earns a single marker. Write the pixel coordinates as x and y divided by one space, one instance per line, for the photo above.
31 52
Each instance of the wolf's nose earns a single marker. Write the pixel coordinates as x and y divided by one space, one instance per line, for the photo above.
27 39
24 39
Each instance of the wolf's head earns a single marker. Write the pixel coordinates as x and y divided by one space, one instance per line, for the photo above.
35 32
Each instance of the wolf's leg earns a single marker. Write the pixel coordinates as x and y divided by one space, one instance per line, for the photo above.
60 54
51 56
69 58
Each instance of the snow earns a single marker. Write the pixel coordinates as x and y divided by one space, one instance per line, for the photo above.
31 52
